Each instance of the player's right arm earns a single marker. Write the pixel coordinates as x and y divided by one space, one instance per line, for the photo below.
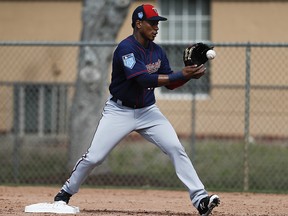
135 68
181 77
172 80
177 79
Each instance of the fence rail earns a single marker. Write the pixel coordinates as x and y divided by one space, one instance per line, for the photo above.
233 123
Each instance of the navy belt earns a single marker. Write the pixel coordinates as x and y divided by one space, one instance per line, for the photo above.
123 103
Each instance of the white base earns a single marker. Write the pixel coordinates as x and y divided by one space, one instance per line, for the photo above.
59 207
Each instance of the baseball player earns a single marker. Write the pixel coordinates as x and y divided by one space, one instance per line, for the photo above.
139 66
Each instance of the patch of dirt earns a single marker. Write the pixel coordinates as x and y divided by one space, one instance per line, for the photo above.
123 202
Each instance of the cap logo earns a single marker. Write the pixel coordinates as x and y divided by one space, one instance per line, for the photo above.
155 10
140 15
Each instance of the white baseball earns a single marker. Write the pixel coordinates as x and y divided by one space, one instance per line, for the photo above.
211 54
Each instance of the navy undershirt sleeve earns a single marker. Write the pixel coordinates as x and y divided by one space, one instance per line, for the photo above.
147 80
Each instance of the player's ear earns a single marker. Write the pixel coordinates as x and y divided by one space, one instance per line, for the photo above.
138 23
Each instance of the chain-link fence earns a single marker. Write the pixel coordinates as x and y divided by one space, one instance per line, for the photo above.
233 121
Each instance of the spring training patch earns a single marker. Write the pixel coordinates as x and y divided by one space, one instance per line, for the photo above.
129 60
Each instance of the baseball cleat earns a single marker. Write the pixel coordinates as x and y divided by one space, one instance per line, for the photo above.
63 196
207 204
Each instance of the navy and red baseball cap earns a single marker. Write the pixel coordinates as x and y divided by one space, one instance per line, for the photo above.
146 12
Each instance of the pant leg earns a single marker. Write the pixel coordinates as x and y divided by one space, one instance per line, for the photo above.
160 132
114 125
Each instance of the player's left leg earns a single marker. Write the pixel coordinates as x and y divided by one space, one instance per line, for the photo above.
158 130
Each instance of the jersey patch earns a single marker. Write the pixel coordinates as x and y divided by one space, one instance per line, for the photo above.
129 60
153 67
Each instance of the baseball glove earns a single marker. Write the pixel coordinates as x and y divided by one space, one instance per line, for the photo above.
196 54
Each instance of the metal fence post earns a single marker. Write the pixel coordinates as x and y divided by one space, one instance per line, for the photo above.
247 118
193 131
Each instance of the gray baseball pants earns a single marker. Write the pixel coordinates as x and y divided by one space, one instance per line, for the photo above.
117 122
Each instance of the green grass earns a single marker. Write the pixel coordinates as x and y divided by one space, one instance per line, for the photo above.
32 164
219 165
140 164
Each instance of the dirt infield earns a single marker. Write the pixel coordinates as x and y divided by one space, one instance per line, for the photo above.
140 202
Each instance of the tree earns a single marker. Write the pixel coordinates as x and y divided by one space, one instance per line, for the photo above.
101 21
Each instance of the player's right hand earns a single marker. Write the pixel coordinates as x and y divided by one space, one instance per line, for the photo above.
193 71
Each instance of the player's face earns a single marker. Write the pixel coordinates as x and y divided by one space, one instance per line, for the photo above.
150 29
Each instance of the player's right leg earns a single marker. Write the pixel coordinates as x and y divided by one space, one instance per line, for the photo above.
114 125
